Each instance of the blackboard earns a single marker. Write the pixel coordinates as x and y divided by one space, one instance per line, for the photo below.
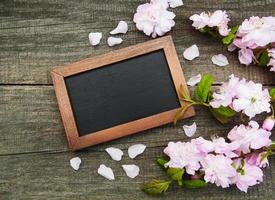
119 93
122 92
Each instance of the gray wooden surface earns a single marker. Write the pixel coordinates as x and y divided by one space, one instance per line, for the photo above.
36 35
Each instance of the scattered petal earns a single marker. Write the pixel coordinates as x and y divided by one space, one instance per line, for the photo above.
190 130
106 172
191 52
135 150
115 153
112 41
194 80
131 170
95 38
75 163
175 3
122 27
220 60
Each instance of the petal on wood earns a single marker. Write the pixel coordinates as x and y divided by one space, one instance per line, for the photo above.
115 153
112 41
122 27
220 60
175 3
191 52
135 150
75 163
95 38
131 170
194 80
190 130
106 172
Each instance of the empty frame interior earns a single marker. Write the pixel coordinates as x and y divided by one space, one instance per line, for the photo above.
121 92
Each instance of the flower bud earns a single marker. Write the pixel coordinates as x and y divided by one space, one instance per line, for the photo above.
269 123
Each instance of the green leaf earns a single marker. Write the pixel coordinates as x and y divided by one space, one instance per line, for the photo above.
264 58
223 114
272 93
231 36
161 162
191 184
203 88
176 174
156 186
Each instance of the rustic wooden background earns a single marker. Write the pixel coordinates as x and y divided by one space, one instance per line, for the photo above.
36 35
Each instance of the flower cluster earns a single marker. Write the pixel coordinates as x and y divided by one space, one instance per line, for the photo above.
224 163
241 95
218 19
254 38
153 18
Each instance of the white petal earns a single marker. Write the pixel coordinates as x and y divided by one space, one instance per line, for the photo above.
220 60
75 163
190 130
122 27
115 153
106 172
194 80
191 52
131 170
175 3
112 41
95 38
135 150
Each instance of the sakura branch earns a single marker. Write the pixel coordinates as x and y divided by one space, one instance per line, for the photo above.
237 96
254 39
237 162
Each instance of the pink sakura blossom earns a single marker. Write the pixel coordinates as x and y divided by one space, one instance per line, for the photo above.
251 99
154 19
218 169
269 123
240 95
249 137
217 19
248 175
224 96
200 21
183 155
257 159
257 32
217 145
246 56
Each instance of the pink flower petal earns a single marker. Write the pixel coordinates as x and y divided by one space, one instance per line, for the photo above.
190 130
220 60
194 80
191 52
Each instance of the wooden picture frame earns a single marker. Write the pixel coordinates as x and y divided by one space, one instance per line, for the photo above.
60 73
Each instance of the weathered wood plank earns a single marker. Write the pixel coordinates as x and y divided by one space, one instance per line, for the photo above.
49 176
36 35
30 122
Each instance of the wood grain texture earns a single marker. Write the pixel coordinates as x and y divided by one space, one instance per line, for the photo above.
49 176
36 35
34 158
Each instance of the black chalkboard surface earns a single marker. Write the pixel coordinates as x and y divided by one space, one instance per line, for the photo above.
120 93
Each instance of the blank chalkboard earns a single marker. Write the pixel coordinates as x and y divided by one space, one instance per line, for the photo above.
120 93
